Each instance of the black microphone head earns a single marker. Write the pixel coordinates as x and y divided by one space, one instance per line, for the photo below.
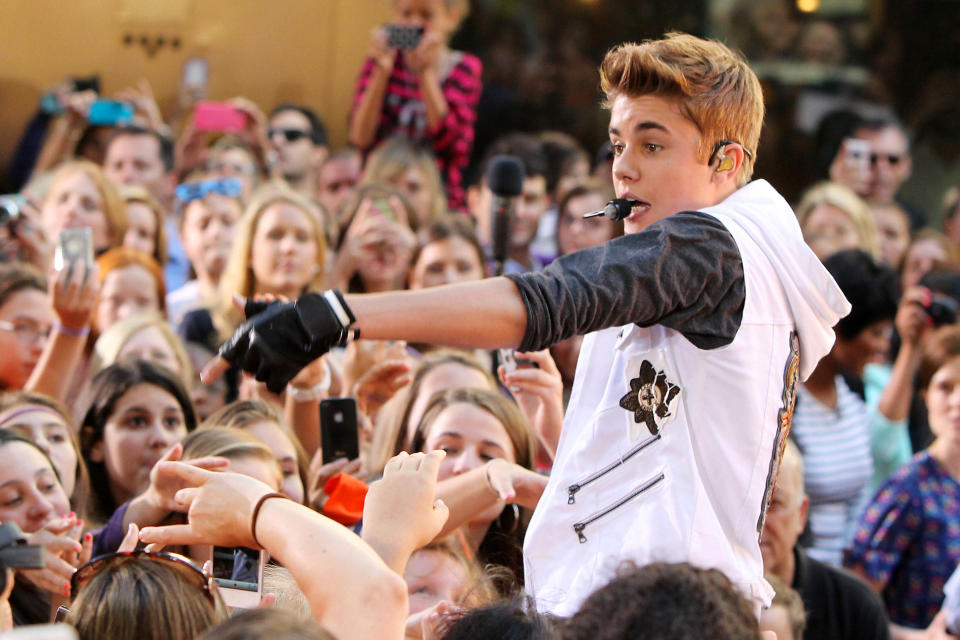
505 176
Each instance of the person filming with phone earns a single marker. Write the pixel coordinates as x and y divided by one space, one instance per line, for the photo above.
412 84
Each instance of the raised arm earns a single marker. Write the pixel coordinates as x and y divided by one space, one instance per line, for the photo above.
351 592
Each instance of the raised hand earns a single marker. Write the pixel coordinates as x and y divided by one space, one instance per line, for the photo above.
401 512
219 508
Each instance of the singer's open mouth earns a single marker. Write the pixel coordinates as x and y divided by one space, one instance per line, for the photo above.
639 208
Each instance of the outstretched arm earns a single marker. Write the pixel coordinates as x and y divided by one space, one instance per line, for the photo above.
367 599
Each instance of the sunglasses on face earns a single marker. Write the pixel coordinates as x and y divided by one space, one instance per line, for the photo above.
181 564
893 159
290 135
190 191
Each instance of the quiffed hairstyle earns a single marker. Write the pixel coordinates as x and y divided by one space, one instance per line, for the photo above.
715 87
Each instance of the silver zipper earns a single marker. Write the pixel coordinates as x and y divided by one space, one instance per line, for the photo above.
580 526
596 475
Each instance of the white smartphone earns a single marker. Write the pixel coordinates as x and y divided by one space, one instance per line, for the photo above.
238 572
857 156
195 79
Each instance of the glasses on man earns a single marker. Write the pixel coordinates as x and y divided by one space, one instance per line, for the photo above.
198 189
290 135
26 331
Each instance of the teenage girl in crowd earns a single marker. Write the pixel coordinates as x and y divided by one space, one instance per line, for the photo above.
428 93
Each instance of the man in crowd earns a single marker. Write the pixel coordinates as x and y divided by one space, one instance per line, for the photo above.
298 146
532 203
143 157
338 177
838 604
877 171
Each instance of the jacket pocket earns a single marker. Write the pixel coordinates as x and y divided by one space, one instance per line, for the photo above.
579 527
596 475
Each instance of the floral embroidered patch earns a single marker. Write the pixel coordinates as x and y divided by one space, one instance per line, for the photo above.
650 397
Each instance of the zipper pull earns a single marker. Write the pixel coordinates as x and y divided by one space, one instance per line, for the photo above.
578 528
571 490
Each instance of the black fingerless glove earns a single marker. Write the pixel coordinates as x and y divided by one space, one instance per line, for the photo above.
281 338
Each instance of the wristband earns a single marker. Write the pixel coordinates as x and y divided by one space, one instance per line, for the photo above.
75 333
256 513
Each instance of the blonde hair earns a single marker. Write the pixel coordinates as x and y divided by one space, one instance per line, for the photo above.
113 206
243 413
232 444
238 275
716 89
111 342
135 193
397 155
844 198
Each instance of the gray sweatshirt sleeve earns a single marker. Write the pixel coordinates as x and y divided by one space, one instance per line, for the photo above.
683 272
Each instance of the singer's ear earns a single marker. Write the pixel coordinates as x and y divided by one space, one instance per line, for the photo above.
729 160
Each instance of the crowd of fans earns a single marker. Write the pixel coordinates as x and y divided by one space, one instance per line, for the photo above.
104 420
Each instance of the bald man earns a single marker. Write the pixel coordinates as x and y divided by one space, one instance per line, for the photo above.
839 605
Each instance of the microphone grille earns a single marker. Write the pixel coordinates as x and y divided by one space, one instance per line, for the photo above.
505 176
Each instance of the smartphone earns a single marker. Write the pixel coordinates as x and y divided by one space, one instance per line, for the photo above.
857 156
73 246
86 84
383 206
339 437
510 361
238 572
196 76
218 116
110 113
403 37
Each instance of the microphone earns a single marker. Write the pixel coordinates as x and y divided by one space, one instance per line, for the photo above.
616 209
505 179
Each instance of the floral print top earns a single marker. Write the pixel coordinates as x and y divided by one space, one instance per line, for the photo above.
909 538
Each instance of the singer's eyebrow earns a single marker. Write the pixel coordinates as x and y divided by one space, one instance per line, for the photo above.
643 126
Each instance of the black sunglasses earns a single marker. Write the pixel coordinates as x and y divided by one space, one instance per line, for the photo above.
181 564
290 135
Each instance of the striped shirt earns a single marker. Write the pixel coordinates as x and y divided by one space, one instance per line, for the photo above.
404 114
837 467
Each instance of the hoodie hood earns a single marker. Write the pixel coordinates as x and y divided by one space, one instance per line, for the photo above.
814 298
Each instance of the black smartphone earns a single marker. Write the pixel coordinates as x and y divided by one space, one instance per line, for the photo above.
339 437
403 37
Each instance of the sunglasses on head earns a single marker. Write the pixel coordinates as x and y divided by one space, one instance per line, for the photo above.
190 191
181 564
290 135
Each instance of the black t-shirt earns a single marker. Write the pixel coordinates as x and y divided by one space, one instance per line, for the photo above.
839 605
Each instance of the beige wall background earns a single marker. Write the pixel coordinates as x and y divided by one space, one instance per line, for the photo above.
306 51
